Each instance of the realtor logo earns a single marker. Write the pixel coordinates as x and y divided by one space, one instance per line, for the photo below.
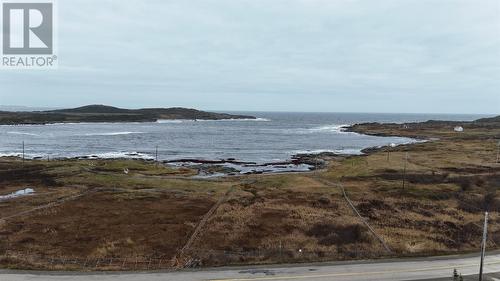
28 34
27 28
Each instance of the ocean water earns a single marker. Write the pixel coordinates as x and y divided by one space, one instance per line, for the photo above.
273 137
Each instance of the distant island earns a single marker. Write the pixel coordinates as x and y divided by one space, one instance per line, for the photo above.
103 113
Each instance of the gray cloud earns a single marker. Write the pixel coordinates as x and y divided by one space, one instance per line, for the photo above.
302 55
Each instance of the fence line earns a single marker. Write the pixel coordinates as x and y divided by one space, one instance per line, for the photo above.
204 220
193 258
351 205
386 247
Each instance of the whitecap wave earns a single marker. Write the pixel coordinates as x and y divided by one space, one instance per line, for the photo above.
330 128
26 155
175 121
118 155
335 128
10 154
21 133
349 151
113 133
70 123
246 119
237 120
104 155
87 123
169 121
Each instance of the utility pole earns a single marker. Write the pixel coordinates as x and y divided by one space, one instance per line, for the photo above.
389 147
388 152
498 152
483 245
281 252
23 151
404 169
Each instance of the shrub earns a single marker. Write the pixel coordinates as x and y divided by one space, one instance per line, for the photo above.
489 202
331 234
465 184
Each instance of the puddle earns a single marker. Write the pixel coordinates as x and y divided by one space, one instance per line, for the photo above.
19 193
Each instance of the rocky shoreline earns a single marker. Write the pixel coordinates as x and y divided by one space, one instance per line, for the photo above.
303 162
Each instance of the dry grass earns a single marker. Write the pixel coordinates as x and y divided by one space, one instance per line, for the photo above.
152 211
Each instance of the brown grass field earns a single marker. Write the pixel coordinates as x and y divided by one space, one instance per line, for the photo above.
90 215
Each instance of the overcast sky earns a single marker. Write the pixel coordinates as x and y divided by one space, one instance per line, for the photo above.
440 56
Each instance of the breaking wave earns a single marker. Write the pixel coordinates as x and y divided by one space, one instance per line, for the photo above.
22 133
176 121
113 133
330 128
117 155
317 130
27 155
349 151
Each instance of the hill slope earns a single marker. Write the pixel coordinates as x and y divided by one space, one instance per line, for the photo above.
495 119
103 113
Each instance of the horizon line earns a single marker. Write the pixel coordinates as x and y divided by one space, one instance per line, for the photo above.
41 108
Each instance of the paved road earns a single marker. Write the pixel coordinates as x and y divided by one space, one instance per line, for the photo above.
416 269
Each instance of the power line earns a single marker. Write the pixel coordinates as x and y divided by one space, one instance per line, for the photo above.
156 156
498 151
404 169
